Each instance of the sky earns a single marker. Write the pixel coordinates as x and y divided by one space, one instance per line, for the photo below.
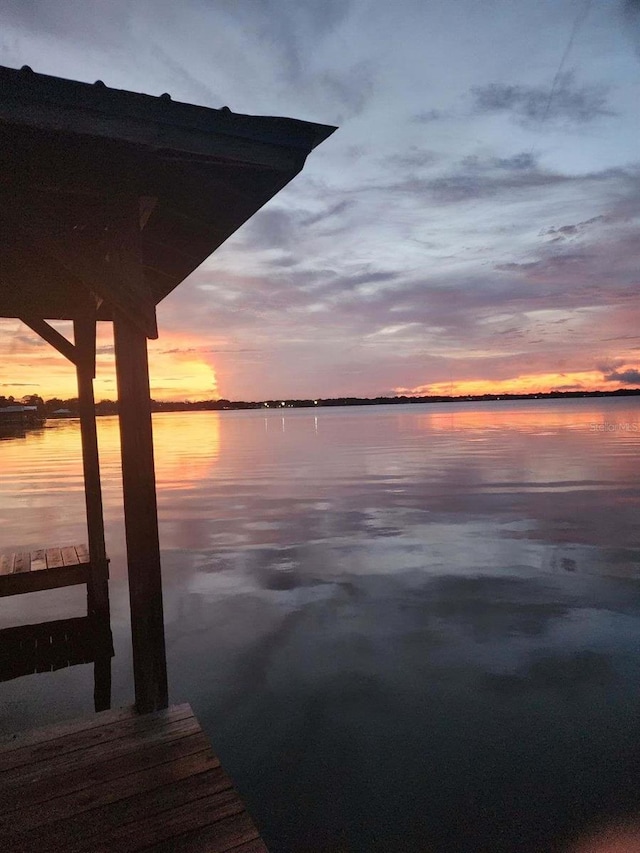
471 227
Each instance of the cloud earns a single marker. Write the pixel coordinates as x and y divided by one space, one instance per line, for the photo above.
476 178
278 39
429 116
333 210
610 366
198 91
533 105
627 377
27 341
631 12
289 27
523 161
414 158
352 88
565 231
73 18
201 350
552 264
285 229
273 228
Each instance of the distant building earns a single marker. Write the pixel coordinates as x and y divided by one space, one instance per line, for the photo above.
20 416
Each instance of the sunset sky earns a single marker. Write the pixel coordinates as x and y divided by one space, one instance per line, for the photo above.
472 226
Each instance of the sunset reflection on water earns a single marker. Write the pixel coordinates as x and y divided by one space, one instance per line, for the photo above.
398 614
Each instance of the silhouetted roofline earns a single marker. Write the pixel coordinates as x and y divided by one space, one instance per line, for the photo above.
79 159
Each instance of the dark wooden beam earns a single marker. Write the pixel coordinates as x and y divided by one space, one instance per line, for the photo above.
84 331
82 167
141 516
52 336
34 286
132 299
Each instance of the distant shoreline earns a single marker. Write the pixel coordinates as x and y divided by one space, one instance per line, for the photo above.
332 402
227 405
57 408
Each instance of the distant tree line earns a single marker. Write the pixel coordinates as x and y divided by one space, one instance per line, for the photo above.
56 407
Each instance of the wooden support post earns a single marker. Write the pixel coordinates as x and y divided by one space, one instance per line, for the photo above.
141 515
102 683
84 330
102 653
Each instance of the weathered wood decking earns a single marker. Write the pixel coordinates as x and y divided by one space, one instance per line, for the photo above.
44 569
122 782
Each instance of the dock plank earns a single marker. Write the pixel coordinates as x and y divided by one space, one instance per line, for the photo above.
38 560
6 563
121 782
76 831
231 834
53 558
186 817
82 553
255 846
82 780
69 556
22 562
171 769
91 721
91 737
92 754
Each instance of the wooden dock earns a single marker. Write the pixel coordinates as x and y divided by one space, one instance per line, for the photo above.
120 781
44 569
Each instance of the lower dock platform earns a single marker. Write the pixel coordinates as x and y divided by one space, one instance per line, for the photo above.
44 569
120 781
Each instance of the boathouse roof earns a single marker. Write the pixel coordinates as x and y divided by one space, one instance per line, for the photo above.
87 172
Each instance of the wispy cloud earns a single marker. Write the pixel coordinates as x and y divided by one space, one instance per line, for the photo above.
567 231
428 116
569 102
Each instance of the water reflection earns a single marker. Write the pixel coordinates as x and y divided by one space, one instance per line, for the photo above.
50 646
404 628
7 433
187 453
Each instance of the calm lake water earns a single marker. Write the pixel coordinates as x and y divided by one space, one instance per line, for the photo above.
404 628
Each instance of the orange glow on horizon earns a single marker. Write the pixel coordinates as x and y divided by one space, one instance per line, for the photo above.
182 368
534 383
178 370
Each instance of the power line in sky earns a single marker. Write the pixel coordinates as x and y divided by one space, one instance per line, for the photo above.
581 17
